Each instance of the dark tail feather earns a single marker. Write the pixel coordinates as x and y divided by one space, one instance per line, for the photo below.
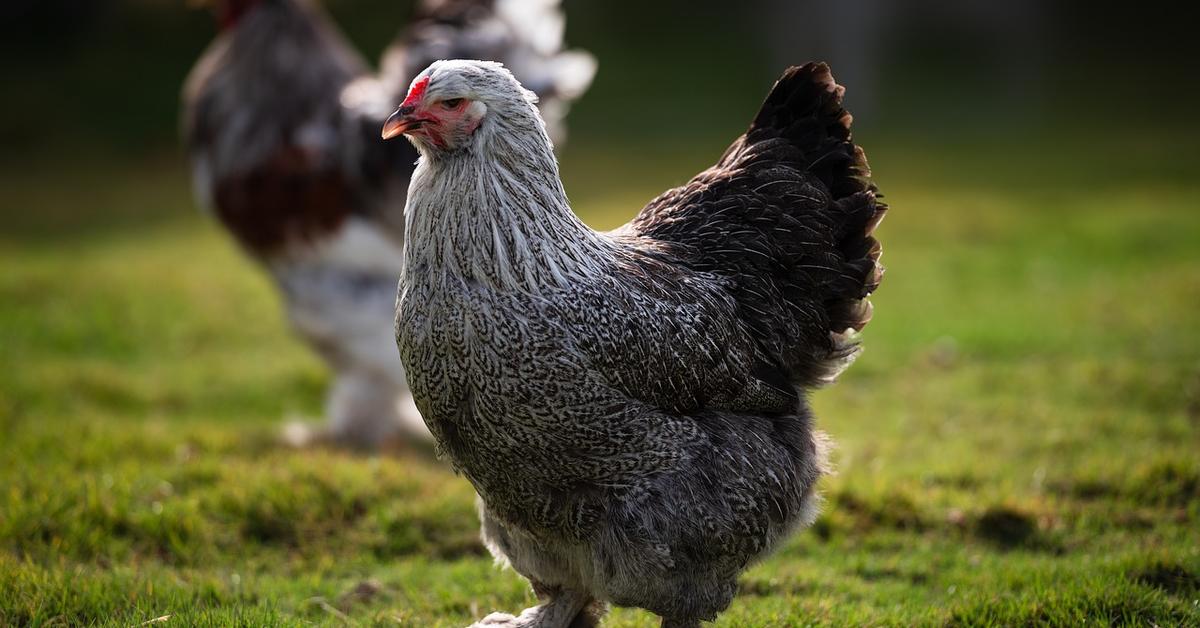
805 108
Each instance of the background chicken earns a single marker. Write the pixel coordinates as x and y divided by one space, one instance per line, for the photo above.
281 118
630 406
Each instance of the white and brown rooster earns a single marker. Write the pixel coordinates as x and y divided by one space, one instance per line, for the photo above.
281 120
630 406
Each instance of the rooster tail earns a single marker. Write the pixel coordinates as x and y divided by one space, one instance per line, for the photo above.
805 109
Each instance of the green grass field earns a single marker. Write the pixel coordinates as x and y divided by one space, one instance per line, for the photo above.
1018 445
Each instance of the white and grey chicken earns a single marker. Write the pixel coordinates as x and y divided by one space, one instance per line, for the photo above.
631 406
281 120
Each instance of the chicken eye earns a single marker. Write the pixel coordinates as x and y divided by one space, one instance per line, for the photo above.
452 103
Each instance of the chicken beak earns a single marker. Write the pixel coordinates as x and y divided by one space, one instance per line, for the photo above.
399 123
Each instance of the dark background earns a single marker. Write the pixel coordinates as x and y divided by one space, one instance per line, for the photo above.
104 76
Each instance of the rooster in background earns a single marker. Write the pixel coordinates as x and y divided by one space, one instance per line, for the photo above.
281 119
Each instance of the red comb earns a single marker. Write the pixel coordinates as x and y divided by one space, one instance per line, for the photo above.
417 91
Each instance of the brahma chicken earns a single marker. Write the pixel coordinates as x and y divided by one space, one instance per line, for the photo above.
281 120
630 406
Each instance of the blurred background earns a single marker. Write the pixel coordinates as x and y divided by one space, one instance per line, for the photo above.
1017 444
104 76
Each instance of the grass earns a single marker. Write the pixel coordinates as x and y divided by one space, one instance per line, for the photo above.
1017 446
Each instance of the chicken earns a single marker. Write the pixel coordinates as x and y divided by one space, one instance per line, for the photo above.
630 406
281 120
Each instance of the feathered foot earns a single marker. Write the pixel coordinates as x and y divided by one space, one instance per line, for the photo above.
669 622
565 609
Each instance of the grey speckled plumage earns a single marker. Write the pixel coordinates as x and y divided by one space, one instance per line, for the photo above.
630 406
281 119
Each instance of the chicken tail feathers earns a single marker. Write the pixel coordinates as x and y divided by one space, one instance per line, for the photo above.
805 109
788 216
